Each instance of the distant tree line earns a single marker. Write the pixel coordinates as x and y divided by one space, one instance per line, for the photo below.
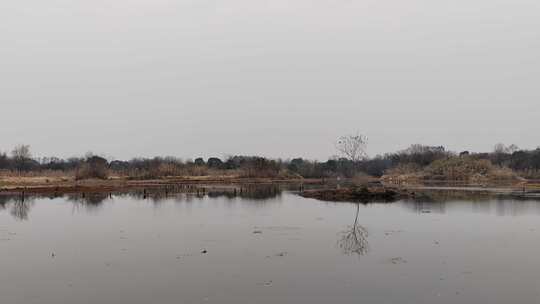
20 160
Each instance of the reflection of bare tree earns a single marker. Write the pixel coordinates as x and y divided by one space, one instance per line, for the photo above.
251 192
20 208
354 240
91 201
4 200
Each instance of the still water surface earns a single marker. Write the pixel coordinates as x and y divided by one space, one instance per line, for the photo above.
279 249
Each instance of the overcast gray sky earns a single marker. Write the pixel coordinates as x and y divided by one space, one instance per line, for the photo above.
278 78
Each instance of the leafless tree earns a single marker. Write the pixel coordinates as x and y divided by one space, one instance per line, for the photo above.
21 156
352 147
503 149
499 148
512 148
21 152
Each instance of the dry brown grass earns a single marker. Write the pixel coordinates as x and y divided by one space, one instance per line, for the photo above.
362 179
455 169
44 173
18 181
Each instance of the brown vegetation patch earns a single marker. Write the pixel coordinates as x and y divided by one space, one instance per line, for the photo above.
454 169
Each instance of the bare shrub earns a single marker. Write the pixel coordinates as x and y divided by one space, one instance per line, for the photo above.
362 179
467 169
196 170
93 167
401 169
259 167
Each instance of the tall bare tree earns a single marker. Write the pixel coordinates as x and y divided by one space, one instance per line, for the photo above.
352 147
21 156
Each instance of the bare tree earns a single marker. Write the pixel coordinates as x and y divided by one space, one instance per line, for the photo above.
4 161
499 148
21 156
512 148
352 147
503 149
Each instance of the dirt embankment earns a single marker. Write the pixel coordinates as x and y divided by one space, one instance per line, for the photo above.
70 185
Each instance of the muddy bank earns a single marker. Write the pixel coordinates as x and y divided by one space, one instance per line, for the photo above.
64 185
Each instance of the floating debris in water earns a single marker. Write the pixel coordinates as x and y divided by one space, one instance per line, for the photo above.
391 232
257 232
398 260
266 284
204 251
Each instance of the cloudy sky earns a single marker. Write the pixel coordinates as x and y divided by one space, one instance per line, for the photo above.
278 78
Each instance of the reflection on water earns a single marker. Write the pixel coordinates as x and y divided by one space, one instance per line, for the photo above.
88 200
20 208
433 201
255 244
494 205
20 204
354 240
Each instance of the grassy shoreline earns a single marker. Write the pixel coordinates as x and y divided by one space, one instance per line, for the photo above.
68 184
44 184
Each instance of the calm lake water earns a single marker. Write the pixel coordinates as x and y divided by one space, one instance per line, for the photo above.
275 248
